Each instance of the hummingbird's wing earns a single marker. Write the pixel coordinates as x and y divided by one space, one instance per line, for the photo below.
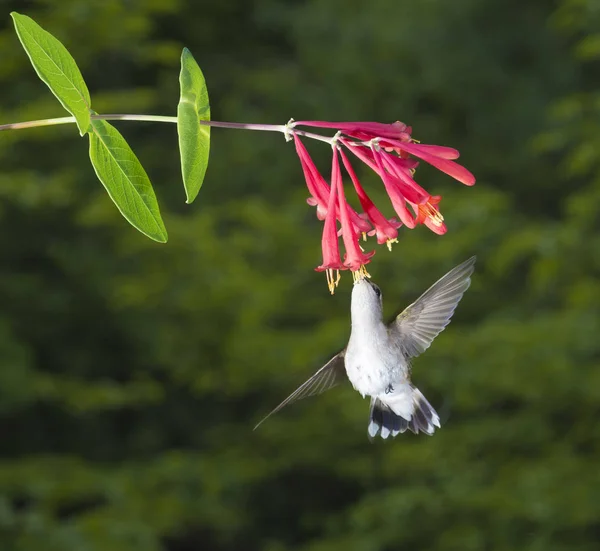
331 374
427 317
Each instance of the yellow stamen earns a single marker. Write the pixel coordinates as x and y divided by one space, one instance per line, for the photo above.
360 274
364 234
332 281
432 213
389 243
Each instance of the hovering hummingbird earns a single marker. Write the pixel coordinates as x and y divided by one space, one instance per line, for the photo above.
377 358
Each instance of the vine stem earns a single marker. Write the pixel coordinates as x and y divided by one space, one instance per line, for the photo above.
284 129
147 118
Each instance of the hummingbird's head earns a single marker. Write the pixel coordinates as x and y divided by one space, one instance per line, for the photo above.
366 301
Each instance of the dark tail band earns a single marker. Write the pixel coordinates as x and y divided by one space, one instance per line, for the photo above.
385 422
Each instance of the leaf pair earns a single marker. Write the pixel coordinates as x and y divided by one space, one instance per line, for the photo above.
114 162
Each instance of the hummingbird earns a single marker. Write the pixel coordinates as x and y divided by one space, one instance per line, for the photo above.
377 359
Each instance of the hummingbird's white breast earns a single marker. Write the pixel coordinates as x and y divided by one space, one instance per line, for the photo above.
374 363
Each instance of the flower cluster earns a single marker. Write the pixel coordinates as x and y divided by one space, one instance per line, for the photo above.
390 151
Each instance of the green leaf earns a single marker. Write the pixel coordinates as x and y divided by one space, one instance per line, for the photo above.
194 138
125 179
56 67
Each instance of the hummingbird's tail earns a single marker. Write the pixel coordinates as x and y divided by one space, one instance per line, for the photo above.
385 422
424 417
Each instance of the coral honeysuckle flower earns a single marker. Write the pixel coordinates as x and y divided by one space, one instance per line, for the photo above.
319 189
396 193
337 207
388 165
391 152
396 174
364 130
397 136
436 156
386 230
355 258
332 263
423 204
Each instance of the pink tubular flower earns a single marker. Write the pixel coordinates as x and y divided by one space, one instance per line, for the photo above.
436 156
355 258
396 174
319 189
364 130
330 244
386 230
390 151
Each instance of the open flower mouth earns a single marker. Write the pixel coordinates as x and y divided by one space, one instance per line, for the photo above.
431 212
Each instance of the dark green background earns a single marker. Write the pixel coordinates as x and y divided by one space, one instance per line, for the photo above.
132 373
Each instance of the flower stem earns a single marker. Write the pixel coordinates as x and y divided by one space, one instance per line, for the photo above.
284 129
33 124
326 139
148 118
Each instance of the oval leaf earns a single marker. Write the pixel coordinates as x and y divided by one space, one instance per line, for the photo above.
194 138
125 179
56 67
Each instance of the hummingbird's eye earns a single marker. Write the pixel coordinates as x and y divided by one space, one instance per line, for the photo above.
377 290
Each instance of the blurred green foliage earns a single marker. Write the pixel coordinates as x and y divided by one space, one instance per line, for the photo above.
131 373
